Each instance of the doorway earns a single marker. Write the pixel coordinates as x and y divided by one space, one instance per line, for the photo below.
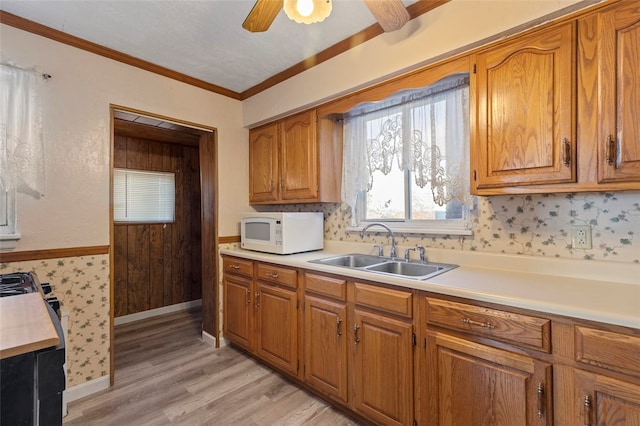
166 264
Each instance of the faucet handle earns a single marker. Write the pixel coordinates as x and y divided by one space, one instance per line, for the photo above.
380 250
407 256
421 251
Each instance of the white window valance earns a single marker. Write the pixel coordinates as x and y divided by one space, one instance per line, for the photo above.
21 139
423 130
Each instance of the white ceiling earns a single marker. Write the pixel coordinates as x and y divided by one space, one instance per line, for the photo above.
202 39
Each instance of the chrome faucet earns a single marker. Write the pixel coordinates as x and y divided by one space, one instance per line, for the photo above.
393 237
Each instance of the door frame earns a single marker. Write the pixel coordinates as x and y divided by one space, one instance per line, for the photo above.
208 158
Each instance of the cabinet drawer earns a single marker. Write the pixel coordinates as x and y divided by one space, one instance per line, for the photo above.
332 287
522 330
233 265
278 274
606 349
384 299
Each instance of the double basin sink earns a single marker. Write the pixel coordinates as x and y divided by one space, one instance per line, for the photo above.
387 266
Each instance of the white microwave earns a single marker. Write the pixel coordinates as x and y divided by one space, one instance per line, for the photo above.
282 233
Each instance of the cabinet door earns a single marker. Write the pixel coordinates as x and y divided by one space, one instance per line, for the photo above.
277 327
325 365
469 383
238 310
263 164
299 171
382 365
525 132
604 401
619 74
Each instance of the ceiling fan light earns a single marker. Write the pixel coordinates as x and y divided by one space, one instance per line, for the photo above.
319 10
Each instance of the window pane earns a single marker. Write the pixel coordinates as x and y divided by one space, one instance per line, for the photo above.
424 208
385 200
4 206
140 196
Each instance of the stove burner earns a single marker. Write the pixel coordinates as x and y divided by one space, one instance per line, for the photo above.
18 283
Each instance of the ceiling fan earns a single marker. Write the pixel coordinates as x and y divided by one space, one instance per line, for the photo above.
390 14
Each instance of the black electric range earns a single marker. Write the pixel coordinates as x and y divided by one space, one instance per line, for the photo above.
31 384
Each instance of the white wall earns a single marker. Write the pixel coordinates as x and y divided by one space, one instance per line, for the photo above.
75 209
451 26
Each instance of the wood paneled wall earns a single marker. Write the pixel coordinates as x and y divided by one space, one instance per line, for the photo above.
158 265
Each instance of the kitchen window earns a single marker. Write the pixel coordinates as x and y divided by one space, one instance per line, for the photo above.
406 160
7 212
143 196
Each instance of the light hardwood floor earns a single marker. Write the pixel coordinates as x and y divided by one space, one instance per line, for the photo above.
165 374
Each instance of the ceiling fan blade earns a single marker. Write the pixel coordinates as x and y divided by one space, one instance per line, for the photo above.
262 15
390 14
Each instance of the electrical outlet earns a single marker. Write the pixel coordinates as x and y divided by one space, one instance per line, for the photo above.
581 236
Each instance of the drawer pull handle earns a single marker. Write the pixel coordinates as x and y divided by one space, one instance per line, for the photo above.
248 296
272 274
587 410
356 339
471 322
257 299
540 395
236 267
339 326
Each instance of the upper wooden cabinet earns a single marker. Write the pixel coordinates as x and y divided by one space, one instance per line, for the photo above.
285 158
556 110
617 42
525 131
263 164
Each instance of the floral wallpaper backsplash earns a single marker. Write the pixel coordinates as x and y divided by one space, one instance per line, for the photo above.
536 225
82 286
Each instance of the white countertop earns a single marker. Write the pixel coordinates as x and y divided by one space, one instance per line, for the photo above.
608 292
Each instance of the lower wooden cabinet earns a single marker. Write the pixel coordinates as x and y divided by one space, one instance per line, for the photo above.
238 310
325 354
602 400
382 368
476 363
277 327
473 384
261 316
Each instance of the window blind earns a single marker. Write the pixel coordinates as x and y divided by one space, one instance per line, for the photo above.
143 196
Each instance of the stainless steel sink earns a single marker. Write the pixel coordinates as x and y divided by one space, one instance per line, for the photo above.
405 268
351 260
387 266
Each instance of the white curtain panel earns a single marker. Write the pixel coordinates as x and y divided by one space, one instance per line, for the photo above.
423 130
21 140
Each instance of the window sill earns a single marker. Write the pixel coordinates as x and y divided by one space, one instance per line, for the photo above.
9 241
403 229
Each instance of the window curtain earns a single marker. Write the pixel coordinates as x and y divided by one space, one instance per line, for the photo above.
422 130
21 140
